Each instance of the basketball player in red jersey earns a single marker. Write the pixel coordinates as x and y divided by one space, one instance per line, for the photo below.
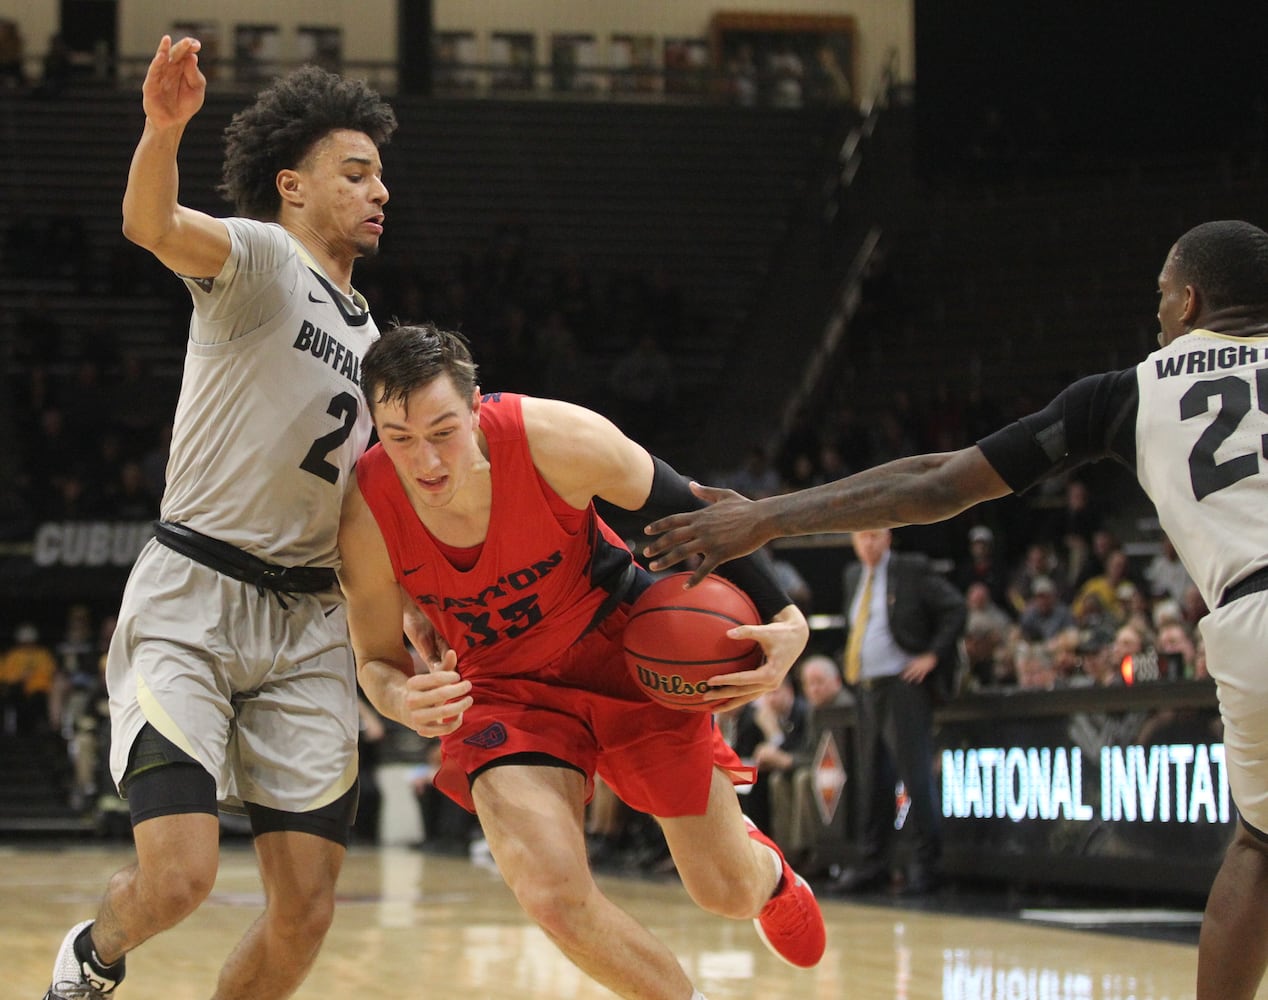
482 510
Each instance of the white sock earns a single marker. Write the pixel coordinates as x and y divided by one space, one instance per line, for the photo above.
698 996
779 865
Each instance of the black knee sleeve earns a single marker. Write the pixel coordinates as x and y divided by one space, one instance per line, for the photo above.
170 790
331 822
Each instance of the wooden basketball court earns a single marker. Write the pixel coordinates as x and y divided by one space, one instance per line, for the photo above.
416 925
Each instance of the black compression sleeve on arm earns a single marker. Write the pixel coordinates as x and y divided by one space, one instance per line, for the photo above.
753 574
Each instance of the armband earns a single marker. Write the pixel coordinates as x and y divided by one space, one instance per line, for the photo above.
670 493
753 574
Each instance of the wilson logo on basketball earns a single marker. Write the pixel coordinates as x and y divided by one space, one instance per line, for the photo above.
674 684
676 640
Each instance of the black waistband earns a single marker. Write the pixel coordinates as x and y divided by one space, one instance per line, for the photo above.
1252 584
233 562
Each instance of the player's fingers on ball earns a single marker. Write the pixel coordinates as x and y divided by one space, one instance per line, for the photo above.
732 682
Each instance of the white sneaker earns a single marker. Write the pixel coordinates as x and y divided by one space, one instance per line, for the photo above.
73 980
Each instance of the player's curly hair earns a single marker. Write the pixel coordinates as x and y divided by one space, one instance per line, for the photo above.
1228 261
287 119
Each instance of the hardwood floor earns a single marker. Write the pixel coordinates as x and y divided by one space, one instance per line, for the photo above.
415 925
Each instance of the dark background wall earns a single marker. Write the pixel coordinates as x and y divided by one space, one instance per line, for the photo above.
1072 77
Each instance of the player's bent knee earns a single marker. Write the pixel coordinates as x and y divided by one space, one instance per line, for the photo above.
550 904
559 921
736 899
304 919
187 890
174 888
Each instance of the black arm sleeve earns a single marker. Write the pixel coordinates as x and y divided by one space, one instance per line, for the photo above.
1091 419
753 574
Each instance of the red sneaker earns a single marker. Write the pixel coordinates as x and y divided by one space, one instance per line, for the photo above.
790 923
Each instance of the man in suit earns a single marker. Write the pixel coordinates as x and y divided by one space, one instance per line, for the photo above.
905 624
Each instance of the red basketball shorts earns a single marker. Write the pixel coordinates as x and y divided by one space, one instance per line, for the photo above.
585 710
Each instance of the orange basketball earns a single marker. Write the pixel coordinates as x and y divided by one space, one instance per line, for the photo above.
675 639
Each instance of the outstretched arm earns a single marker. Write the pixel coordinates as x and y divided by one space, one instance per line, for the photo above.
917 490
189 242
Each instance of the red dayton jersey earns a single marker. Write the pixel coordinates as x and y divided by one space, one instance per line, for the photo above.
545 571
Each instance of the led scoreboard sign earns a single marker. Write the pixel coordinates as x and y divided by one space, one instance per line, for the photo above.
1123 787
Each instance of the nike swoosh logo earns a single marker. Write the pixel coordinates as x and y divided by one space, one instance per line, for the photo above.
409 572
313 298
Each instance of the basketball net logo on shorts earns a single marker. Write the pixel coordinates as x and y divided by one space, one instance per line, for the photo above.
673 684
492 735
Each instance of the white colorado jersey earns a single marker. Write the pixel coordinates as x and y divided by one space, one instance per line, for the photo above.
271 418
1191 421
1201 435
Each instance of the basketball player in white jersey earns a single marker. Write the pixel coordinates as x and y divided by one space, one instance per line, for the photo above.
231 680
1191 421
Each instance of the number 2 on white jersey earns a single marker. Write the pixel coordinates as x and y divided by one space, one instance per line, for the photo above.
343 405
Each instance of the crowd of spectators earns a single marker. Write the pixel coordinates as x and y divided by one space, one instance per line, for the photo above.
1114 621
53 694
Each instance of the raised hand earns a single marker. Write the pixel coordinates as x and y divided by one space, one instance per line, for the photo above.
174 86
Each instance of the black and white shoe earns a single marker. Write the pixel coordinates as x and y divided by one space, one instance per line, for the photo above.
77 980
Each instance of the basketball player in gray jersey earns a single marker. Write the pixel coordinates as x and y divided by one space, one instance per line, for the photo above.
1191 421
230 676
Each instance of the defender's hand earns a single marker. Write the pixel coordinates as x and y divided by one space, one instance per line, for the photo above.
174 86
724 530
